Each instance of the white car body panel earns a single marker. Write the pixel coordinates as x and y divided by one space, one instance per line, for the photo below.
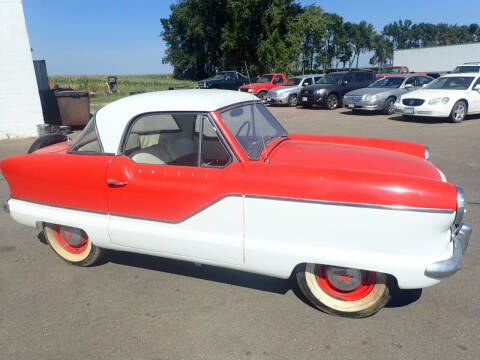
271 236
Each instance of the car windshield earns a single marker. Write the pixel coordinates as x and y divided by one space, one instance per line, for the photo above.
265 79
451 83
388 82
466 69
330 79
292 82
253 126
390 70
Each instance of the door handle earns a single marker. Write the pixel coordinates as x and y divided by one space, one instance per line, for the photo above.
116 182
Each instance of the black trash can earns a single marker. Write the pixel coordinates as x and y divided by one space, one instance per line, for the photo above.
74 107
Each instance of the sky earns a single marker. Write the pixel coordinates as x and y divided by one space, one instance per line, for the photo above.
123 37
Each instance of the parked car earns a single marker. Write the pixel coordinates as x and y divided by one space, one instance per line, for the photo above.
210 176
382 94
451 96
263 84
287 93
331 88
396 70
229 80
467 67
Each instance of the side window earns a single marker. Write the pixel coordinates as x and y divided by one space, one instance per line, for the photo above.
410 81
307 81
278 79
316 78
404 70
214 153
423 81
362 76
163 139
348 78
88 141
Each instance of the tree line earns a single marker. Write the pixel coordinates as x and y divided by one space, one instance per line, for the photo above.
204 36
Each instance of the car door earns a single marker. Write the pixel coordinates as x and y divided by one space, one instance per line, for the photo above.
348 84
474 98
231 81
176 190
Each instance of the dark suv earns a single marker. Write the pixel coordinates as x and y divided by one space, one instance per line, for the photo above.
329 90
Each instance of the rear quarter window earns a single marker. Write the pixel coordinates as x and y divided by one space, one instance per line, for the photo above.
88 140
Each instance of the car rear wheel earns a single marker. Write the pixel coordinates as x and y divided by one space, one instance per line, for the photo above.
343 291
292 100
72 245
389 106
332 102
459 111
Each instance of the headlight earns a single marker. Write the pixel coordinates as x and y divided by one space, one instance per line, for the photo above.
370 98
321 91
251 90
460 205
427 153
438 100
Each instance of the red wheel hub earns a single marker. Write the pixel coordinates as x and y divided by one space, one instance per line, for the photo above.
73 240
344 283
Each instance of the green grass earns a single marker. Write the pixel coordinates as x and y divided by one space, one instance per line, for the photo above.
126 85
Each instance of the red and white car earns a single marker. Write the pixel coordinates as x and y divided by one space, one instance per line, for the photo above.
217 180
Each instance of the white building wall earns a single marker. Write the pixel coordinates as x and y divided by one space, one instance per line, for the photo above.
437 58
20 108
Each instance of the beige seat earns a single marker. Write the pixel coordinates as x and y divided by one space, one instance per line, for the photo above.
155 154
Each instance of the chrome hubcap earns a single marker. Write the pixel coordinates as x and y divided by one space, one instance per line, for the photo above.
459 112
345 279
72 236
332 102
293 101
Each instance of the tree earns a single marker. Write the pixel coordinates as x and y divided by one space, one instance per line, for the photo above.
383 51
364 41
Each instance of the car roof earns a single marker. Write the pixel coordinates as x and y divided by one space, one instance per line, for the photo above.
112 119
462 74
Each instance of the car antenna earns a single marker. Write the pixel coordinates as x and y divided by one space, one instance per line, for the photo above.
267 160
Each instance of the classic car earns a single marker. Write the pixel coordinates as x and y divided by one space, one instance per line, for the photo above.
229 80
217 180
287 93
331 88
263 84
452 96
382 94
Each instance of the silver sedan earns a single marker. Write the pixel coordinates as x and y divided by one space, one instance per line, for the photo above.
381 95
288 92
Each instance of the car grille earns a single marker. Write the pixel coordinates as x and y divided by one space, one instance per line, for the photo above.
354 98
306 92
413 102
244 90
202 84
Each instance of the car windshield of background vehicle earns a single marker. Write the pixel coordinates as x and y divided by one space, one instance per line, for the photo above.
330 79
265 79
253 126
451 83
388 82
390 70
466 69
292 82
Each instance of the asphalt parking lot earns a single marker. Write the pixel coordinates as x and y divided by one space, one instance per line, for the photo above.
142 307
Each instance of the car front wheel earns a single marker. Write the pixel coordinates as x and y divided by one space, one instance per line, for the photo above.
459 111
343 291
292 100
332 102
72 245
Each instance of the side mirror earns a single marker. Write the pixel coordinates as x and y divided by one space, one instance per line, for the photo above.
408 86
476 87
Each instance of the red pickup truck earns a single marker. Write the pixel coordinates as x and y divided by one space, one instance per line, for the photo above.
396 70
263 84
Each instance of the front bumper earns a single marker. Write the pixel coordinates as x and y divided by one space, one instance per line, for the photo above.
460 239
363 105
269 99
423 110
310 99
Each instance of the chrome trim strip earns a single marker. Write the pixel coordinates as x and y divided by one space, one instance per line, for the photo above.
442 269
460 205
359 205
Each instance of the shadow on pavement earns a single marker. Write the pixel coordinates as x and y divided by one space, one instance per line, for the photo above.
428 120
402 298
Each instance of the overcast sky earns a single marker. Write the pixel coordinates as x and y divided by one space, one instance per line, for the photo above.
122 37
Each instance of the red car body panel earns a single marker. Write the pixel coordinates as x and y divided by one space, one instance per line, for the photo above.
304 167
264 86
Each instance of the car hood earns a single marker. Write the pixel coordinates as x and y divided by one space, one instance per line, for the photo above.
211 81
370 91
281 89
326 155
427 94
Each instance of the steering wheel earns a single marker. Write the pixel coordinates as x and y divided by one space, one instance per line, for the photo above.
246 123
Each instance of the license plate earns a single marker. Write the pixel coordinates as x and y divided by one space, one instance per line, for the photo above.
350 105
408 110
304 99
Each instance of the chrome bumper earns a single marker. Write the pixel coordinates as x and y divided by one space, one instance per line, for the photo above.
442 269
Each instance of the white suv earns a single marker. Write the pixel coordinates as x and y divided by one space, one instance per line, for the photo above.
467 67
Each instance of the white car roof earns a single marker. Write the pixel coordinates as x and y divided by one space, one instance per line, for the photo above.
112 119
474 74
